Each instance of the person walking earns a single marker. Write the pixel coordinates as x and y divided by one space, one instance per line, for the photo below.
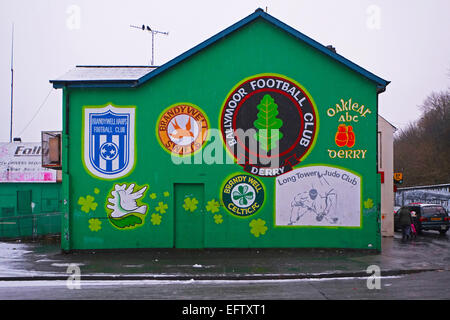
405 221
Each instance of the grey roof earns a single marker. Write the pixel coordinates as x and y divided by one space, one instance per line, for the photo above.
103 74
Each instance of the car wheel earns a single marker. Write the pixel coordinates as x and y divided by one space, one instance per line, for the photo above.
442 232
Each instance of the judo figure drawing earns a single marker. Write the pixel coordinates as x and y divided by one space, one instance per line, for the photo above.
320 201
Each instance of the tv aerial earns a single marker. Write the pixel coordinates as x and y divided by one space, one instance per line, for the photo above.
153 32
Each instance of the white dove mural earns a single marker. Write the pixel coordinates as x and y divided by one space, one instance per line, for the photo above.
126 209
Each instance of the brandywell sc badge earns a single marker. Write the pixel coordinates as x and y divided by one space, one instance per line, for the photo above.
109 141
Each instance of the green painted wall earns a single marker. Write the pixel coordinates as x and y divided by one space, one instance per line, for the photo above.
18 218
205 80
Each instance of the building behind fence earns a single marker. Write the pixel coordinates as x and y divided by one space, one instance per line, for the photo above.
30 196
437 194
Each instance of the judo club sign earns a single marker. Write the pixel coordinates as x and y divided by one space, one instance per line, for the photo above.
269 124
109 141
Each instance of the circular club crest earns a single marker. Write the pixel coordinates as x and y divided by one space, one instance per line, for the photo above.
269 124
243 195
182 128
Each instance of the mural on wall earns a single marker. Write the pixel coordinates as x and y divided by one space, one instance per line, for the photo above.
348 114
182 128
125 208
108 142
243 195
436 195
318 196
269 124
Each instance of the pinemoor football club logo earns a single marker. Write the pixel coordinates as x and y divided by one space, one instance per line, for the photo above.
182 129
109 141
269 124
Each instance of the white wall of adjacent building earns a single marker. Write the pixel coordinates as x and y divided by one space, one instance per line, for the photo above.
386 168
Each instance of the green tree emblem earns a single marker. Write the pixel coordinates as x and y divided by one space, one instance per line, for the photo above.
243 195
268 124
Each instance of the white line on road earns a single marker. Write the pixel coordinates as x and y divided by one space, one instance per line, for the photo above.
62 283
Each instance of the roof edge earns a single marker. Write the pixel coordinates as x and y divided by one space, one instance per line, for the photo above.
382 83
203 45
259 13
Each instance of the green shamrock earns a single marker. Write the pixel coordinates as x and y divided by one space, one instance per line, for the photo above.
87 203
242 195
368 203
258 227
190 204
161 207
156 219
213 206
218 219
95 224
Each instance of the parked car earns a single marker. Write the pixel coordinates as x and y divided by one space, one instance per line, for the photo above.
426 217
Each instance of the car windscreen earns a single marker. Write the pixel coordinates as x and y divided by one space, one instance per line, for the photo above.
434 210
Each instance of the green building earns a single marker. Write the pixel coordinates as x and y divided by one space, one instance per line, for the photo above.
30 196
258 137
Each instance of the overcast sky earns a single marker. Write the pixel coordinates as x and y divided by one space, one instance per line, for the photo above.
405 42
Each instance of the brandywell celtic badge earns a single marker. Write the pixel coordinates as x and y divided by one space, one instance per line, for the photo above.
109 141
269 124
243 195
182 128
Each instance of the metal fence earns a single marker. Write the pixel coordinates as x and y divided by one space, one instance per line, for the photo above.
30 226
436 194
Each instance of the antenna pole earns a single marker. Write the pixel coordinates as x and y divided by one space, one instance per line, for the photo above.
153 32
153 48
12 81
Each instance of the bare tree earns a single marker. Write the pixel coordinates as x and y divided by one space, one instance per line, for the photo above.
422 149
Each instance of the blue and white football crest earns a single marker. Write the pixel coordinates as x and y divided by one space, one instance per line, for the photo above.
109 141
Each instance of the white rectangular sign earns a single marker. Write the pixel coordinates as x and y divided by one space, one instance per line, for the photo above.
22 162
318 196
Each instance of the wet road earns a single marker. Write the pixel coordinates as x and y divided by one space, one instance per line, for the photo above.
426 285
430 251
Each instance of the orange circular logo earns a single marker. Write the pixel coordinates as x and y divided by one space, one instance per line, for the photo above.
182 128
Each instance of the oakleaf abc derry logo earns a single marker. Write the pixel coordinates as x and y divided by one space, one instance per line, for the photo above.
269 124
182 128
243 195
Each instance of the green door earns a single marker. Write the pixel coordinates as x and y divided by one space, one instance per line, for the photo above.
189 215
24 202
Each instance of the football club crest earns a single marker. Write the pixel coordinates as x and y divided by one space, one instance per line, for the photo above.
243 195
182 129
269 124
109 141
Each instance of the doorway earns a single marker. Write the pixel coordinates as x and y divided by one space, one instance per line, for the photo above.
189 215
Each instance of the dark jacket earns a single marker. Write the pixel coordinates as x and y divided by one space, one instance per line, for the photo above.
404 216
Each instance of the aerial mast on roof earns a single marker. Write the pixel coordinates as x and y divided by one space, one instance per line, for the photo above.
153 32
12 82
